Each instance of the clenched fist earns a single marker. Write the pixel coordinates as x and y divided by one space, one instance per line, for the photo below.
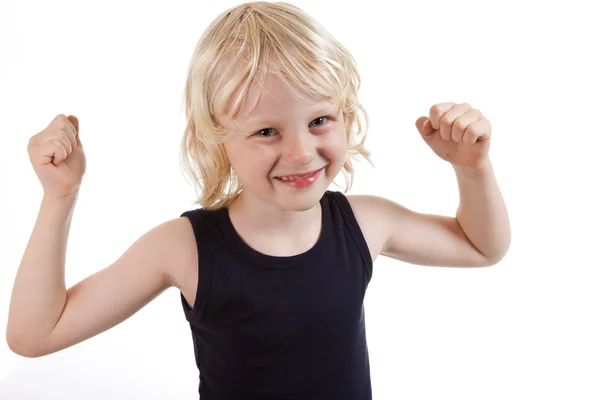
57 157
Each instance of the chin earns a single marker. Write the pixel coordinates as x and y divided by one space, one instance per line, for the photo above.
300 199
304 204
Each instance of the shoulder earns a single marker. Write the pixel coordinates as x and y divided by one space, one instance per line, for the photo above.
177 242
373 206
370 209
370 212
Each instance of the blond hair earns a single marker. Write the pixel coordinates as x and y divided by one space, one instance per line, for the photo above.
264 38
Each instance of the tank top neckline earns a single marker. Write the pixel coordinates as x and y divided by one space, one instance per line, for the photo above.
278 262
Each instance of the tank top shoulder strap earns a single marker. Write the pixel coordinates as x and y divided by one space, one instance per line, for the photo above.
343 205
200 220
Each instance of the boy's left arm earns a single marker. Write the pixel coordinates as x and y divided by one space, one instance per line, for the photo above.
480 233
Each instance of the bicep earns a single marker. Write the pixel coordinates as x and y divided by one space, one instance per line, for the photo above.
115 293
416 238
428 239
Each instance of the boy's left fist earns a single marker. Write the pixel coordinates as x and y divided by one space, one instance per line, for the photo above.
457 133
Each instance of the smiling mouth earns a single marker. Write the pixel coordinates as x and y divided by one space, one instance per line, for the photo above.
298 176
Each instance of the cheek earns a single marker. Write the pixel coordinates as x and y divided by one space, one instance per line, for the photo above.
265 157
261 160
239 163
338 143
249 161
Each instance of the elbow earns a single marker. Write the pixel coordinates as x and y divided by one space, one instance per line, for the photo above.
496 254
22 348
496 258
490 262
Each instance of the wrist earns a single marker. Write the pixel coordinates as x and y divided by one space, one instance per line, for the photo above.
58 207
53 198
484 168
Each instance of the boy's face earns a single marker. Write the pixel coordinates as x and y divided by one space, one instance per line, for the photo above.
286 135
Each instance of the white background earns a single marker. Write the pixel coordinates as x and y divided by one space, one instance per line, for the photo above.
526 328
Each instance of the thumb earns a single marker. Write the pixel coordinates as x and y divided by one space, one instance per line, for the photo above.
424 127
73 119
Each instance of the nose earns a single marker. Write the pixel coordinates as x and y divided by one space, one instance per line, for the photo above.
299 147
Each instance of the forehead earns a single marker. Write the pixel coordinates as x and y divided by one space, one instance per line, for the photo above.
277 98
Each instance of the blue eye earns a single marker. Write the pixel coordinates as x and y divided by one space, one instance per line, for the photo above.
322 120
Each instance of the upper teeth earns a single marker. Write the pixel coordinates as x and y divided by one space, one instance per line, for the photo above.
293 178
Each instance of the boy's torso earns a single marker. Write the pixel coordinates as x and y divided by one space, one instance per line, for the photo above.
184 269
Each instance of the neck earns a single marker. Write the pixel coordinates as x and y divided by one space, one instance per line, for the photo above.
266 218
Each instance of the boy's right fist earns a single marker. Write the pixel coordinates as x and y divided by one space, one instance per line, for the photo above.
57 156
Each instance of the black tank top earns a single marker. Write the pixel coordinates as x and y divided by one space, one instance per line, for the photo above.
267 327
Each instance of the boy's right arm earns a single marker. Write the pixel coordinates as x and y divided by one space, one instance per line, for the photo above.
44 317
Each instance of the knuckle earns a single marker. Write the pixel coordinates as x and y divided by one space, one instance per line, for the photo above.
60 120
446 120
58 142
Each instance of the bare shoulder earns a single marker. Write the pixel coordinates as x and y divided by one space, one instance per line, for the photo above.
367 211
183 253
173 246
